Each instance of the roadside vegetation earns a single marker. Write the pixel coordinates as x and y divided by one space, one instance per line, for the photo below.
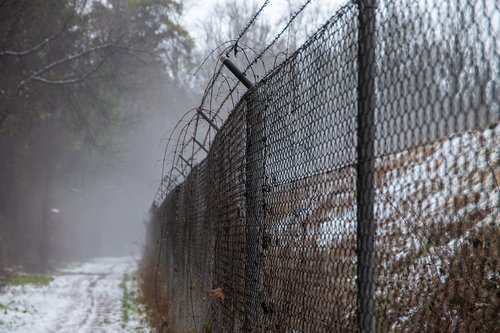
37 280
133 313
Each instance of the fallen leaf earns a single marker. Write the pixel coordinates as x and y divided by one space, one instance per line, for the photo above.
217 294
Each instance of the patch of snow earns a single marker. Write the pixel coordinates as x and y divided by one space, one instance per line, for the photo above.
81 298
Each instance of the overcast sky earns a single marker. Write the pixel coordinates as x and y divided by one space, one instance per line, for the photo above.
196 11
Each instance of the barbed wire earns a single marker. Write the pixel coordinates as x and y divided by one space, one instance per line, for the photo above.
312 208
259 55
340 13
211 93
245 29
168 181
278 36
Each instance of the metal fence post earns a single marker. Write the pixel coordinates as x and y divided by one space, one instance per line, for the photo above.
365 167
255 183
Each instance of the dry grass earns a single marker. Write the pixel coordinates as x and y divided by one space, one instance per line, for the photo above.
155 303
437 270
437 248
392 166
457 291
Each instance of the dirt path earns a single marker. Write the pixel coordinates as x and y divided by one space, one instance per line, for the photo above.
83 298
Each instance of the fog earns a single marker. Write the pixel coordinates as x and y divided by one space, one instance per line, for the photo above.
105 209
81 127
109 207
89 93
107 105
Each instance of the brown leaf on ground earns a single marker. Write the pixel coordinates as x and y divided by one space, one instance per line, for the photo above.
217 294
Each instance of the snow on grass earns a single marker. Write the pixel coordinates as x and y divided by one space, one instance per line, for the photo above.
38 280
457 179
437 228
81 298
437 184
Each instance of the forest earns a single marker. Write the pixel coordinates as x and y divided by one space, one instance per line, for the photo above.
85 86
89 93
349 184
77 79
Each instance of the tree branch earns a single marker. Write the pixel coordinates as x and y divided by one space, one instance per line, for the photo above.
28 51
36 75
71 80
41 44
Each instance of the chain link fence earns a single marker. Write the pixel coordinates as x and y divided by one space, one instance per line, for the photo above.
354 188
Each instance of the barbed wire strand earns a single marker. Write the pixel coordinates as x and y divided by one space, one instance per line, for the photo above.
208 92
247 27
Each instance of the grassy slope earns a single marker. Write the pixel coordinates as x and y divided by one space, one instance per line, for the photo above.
437 244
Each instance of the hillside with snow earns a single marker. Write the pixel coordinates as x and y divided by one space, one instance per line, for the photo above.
438 231
437 240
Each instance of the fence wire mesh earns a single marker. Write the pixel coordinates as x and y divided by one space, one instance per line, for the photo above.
354 188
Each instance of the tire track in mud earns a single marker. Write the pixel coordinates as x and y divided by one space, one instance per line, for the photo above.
82 298
103 304
92 305
73 321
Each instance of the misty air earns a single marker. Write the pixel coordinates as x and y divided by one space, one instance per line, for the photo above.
288 166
